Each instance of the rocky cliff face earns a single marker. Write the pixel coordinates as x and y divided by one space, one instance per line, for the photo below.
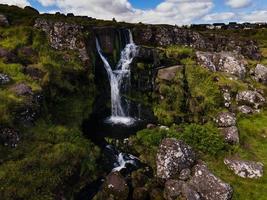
210 89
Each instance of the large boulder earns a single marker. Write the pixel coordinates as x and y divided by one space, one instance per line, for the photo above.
63 35
260 73
7 56
250 98
245 169
228 62
9 136
226 119
3 20
230 134
4 79
209 186
114 187
190 193
172 157
168 73
173 189
245 109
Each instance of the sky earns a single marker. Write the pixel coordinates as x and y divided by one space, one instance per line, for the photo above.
180 12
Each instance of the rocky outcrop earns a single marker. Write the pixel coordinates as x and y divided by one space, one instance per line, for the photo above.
114 187
63 35
9 136
172 157
250 98
21 89
173 189
3 20
230 134
4 79
209 186
260 73
34 72
226 122
245 109
226 119
163 35
7 56
228 62
168 73
245 169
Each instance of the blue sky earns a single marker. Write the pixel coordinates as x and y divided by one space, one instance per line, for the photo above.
157 11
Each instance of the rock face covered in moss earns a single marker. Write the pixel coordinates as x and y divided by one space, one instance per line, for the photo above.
51 80
64 35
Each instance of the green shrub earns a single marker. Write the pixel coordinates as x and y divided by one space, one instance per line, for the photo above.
204 95
205 138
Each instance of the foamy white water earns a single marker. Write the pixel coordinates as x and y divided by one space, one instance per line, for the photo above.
121 74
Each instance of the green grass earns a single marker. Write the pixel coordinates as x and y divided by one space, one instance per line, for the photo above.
15 37
253 135
47 158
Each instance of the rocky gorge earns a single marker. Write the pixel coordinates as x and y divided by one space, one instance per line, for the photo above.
198 99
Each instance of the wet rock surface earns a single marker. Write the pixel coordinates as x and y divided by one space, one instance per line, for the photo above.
114 187
9 137
245 169
209 186
172 157
228 62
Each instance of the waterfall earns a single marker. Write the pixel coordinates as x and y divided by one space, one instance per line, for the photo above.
119 77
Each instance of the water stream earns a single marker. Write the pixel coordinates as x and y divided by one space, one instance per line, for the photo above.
118 78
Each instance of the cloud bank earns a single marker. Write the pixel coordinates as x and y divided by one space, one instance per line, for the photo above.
167 12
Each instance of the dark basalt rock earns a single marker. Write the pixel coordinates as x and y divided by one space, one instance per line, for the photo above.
9 136
7 56
172 157
163 35
140 193
114 187
34 72
3 20
173 189
209 186
4 79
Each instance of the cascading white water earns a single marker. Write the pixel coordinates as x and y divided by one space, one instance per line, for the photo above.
121 74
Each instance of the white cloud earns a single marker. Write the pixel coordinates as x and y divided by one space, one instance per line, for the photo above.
20 3
238 3
169 11
223 16
255 16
